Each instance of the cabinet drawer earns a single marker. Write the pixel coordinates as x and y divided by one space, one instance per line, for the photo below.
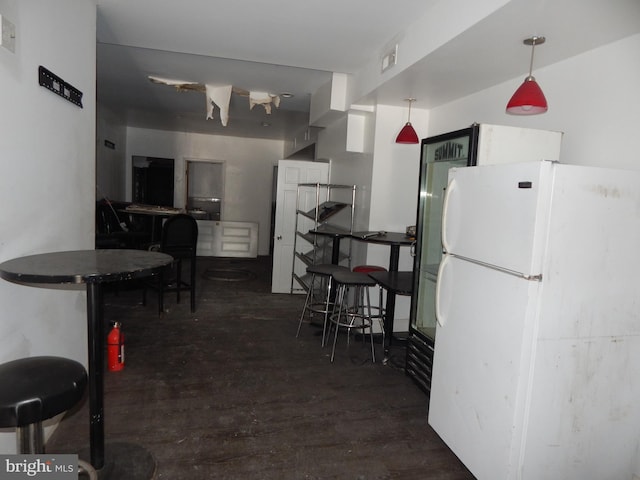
227 239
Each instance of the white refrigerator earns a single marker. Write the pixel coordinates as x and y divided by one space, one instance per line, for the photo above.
536 370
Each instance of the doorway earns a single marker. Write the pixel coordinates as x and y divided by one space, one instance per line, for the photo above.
205 189
153 180
289 174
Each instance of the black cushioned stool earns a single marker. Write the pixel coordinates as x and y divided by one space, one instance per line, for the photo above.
35 389
358 314
312 304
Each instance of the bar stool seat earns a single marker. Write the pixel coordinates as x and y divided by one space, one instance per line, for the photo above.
369 268
35 389
356 315
312 304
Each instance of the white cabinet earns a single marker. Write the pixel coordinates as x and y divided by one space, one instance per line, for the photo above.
227 239
303 139
320 207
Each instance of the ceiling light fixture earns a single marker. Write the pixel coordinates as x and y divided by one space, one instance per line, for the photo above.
528 99
408 134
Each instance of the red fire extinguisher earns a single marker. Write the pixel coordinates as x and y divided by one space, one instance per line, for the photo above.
115 348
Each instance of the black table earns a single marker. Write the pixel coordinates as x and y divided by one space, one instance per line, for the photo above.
336 234
394 240
395 283
157 214
93 268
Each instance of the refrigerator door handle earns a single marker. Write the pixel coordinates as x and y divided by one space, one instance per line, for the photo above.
439 316
533 278
445 214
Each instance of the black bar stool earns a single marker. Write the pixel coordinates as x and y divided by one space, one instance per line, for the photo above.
35 389
312 304
358 313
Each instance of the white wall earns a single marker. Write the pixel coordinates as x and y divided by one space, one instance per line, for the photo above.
248 167
110 163
428 32
386 175
348 168
394 189
48 178
396 168
593 98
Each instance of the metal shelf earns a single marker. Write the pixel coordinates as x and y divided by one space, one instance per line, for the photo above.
317 214
324 211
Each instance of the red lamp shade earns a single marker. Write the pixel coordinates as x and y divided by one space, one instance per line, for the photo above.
528 99
407 135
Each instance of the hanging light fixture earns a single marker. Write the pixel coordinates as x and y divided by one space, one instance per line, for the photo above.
408 134
528 99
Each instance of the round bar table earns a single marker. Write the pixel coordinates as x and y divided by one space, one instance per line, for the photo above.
93 268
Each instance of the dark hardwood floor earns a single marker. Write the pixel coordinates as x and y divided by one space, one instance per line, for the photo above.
229 392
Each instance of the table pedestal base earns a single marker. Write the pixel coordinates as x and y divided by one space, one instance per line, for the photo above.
124 461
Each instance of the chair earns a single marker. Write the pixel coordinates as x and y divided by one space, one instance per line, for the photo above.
312 304
35 389
357 314
116 230
179 239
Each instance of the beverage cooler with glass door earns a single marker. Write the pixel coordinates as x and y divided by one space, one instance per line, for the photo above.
479 144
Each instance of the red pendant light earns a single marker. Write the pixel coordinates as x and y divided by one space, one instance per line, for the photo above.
528 98
408 134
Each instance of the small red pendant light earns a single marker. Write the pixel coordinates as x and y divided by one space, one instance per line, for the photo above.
528 98
408 134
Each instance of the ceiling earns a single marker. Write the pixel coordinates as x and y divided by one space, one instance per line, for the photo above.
293 46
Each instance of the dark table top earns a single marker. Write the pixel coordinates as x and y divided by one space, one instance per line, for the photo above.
385 238
400 283
330 231
83 266
151 210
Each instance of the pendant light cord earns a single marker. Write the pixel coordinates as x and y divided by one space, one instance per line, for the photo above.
410 100
533 47
533 41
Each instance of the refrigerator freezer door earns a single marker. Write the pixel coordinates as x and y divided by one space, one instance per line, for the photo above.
498 144
497 215
481 365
